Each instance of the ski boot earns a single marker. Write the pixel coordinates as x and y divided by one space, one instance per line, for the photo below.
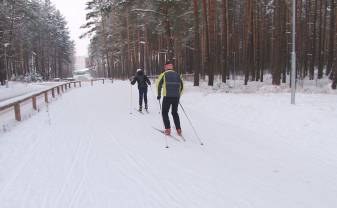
179 132
167 132
140 109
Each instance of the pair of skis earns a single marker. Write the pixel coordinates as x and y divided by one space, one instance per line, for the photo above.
142 112
178 139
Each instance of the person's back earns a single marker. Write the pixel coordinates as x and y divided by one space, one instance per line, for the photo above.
171 82
142 81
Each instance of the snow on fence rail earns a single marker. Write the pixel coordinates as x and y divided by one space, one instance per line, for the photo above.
16 105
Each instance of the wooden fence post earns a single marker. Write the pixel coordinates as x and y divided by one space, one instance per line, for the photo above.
103 81
66 86
58 90
92 82
74 84
46 97
34 103
69 85
53 92
17 111
80 84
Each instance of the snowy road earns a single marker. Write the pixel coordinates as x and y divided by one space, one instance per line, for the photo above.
88 151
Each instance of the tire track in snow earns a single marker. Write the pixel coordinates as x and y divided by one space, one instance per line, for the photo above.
79 167
136 167
77 157
149 180
79 188
19 168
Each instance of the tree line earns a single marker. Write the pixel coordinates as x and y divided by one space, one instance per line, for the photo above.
34 39
211 38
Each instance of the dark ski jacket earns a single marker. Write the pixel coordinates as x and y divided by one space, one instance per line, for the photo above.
142 80
171 83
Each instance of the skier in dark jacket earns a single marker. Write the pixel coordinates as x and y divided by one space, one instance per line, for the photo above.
143 81
172 86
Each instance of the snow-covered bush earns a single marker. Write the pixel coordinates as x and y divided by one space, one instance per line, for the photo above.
33 77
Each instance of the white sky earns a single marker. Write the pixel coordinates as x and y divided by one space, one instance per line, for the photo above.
74 12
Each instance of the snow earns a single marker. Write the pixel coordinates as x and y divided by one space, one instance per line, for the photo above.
306 86
86 150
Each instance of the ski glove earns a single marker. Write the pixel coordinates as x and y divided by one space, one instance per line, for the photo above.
158 97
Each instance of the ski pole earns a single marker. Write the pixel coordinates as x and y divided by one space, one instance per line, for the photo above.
195 132
166 140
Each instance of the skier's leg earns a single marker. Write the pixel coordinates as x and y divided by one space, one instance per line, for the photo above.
140 99
145 98
175 103
165 110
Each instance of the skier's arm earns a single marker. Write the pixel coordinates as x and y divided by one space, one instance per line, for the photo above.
160 84
181 85
147 80
134 80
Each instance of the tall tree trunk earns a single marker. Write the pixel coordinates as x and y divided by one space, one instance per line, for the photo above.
248 39
224 39
321 39
128 59
206 37
212 35
170 46
313 49
331 37
197 52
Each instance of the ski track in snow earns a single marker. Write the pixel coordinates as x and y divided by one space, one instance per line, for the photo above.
88 151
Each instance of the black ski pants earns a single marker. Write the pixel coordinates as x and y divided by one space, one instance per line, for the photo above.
142 95
167 103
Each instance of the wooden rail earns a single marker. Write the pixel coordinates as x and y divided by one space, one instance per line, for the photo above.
93 80
16 105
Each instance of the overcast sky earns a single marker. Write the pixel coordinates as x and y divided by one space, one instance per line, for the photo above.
74 12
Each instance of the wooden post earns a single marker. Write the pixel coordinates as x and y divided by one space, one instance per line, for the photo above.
69 85
103 81
46 97
92 82
58 90
80 84
17 111
66 86
53 92
74 84
34 103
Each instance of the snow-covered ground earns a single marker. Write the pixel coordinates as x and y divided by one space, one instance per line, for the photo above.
306 86
86 150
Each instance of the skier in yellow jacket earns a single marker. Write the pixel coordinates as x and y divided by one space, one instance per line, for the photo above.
170 85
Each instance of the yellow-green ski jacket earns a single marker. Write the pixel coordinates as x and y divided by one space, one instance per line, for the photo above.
171 83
